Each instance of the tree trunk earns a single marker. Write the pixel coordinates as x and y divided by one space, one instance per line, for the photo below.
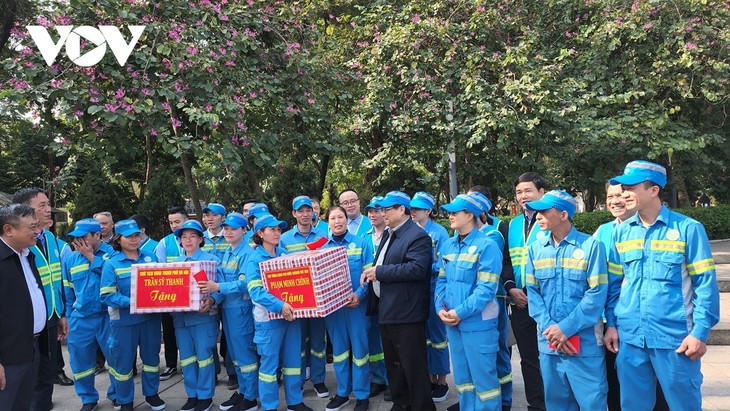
190 181
148 167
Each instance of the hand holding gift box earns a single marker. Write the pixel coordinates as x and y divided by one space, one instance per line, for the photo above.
170 287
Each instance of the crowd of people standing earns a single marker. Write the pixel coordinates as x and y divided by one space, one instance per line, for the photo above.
616 320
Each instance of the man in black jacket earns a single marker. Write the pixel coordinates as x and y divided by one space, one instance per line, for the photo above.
399 295
22 307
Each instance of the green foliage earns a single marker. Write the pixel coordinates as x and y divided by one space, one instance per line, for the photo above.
165 192
715 219
589 222
97 193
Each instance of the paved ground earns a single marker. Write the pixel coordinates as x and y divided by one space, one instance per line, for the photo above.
715 366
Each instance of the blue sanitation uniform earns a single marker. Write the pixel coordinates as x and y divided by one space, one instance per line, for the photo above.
215 244
375 344
359 226
197 337
437 343
504 355
314 333
278 341
347 326
467 283
567 285
129 331
168 249
149 246
88 321
662 288
237 312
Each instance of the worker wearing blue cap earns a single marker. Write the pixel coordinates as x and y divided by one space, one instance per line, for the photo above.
215 242
255 211
237 314
87 317
466 303
278 341
129 331
567 284
313 329
663 296
197 332
422 205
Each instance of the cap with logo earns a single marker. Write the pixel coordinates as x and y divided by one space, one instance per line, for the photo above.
373 205
394 198
557 199
258 209
235 220
300 202
215 208
639 171
423 201
190 225
126 228
482 200
85 226
268 220
463 202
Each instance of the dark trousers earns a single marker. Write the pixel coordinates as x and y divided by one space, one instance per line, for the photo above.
47 371
168 337
19 382
61 362
404 346
525 331
614 389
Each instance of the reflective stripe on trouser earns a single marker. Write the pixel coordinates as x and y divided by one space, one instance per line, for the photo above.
314 348
346 328
474 357
680 378
574 383
85 335
197 346
375 348
123 345
504 355
238 326
437 347
279 344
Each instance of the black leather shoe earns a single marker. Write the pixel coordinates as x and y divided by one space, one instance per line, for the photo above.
62 379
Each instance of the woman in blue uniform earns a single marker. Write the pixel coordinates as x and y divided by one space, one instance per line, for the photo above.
129 331
237 314
197 332
466 303
279 341
347 326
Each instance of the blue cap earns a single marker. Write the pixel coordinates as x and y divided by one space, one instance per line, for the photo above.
483 201
258 209
215 208
394 198
300 202
639 171
463 202
126 228
235 220
558 199
423 200
190 225
85 226
268 220
374 203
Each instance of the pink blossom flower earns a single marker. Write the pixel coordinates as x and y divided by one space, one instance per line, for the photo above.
29 64
691 45
111 107
166 105
78 113
146 92
63 20
241 126
230 63
176 122
224 18
199 23
119 93
416 19
56 82
291 109
153 131
647 26
43 21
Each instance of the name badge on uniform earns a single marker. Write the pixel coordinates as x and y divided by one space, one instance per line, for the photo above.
472 249
579 254
673 234
147 259
352 245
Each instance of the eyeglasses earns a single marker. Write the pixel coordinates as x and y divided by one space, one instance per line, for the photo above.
350 202
386 209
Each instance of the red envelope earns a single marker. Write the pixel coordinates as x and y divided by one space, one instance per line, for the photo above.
575 340
317 244
200 276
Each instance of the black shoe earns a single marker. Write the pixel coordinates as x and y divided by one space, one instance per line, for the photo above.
89 407
233 382
248 405
231 402
376 388
127 407
99 369
336 403
387 396
298 407
362 405
453 407
62 379
189 405
204 405
321 389
116 405
155 402
440 393
167 373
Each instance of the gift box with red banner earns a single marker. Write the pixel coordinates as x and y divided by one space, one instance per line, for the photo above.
169 287
315 283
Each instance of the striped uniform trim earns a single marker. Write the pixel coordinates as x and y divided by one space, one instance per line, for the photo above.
377 357
615 269
84 374
574 263
361 362
597 279
530 279
354 251
122 271
341 357
368 265
318 354
68 284
187 361
232 265
267 378
108 290
468 257
543 263
437 346
291 371
667 245
249 368
449 257
171 259
442 272
206 362
488 277
79 268
629 245
462 388
292 248
701 267
120 377
489 395
254 283
151 368
506 379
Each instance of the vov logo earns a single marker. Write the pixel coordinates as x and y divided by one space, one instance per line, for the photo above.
71 37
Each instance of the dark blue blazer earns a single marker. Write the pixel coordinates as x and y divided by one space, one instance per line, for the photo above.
405 277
